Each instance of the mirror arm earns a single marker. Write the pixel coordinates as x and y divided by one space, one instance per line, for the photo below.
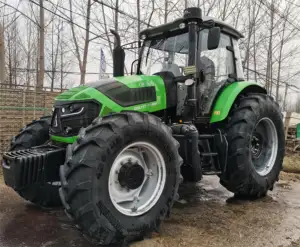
131 70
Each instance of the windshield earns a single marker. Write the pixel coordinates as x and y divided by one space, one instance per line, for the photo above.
165 54
171 54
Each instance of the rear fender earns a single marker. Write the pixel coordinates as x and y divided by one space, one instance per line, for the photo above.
228 96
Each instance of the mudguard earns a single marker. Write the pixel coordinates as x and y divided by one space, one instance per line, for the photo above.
229 94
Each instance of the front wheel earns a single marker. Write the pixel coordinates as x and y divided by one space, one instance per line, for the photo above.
121 177
256 146
35 134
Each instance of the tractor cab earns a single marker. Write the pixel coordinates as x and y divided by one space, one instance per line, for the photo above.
196 56
208 53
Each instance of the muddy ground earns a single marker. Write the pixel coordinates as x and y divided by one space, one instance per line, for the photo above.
207 215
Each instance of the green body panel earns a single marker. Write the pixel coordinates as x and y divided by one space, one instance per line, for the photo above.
108 106
227 97
134 81
70 139
73 93
298 131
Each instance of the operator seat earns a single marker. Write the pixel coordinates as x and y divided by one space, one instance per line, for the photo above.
173 68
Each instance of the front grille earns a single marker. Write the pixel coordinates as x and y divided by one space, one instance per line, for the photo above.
68 118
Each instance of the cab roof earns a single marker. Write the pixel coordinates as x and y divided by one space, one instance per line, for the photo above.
174 25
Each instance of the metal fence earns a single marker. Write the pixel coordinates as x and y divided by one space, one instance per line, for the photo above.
18 107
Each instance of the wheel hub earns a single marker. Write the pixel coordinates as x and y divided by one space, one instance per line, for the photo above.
256 145
264 146
131 175
137 178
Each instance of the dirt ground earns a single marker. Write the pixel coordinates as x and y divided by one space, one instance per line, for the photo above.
207 215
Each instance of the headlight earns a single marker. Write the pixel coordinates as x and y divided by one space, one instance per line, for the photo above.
182 25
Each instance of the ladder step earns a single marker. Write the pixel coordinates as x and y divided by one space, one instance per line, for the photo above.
211 172
206 136
208 154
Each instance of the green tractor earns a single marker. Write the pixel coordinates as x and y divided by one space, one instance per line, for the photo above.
114 151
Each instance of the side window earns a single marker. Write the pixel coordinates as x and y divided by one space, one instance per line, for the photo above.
224 42
217 64
220 59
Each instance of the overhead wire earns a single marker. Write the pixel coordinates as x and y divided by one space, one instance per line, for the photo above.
134 18
69 21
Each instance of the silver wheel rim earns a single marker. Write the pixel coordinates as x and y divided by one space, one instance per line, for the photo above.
137 201
264 146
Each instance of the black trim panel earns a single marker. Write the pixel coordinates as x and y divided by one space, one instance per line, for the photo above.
67 121
125 96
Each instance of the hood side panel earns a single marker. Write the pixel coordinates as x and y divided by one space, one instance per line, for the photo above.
137 93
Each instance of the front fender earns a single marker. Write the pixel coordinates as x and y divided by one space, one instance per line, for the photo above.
228 96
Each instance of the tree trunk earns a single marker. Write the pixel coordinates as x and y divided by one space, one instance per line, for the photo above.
269 59
284 99
15 53
52 60
61 59
10 61
28 57
166 11
42 47
106 30
77 54
2 55
116 18
138 25
86 43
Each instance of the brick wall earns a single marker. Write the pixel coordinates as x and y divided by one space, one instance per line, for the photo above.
19 107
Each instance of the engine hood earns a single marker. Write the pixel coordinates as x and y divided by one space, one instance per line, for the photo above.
136 92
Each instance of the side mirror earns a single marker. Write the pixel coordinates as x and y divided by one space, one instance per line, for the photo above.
213 39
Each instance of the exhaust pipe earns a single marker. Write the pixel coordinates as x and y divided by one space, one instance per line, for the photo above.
118 56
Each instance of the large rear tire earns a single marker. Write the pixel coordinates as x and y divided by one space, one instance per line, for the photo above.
35 134
121 177
256 146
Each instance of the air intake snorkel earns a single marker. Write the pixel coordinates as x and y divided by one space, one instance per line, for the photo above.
193 17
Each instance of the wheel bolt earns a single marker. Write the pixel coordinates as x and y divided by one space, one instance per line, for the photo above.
149 173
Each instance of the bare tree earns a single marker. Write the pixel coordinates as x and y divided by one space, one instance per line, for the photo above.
41 73
269 74
81 61
2 55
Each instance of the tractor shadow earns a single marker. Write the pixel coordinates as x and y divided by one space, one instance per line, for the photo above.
36 227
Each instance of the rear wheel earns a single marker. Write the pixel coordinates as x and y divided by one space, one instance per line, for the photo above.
121 177
256 145
35 134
